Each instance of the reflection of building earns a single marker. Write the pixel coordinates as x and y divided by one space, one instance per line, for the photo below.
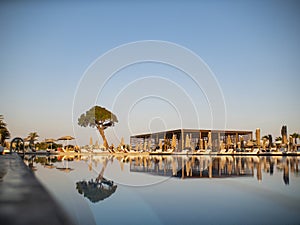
216 167
191 138
195 167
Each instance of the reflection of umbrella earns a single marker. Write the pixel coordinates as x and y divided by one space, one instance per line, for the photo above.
65 168
96 191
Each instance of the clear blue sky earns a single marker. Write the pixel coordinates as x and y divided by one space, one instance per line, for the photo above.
252 47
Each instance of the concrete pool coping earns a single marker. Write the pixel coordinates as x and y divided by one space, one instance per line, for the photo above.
23 199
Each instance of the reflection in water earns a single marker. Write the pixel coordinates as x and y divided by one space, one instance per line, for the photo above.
65 166
175 166
215 167
96 191
99 189
248 188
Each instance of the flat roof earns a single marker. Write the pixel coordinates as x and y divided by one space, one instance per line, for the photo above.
241 132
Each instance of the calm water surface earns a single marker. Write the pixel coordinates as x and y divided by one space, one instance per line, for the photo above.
97 189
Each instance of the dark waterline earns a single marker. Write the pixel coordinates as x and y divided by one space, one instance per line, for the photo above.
173 189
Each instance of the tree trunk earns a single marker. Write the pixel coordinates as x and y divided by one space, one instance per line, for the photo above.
101 131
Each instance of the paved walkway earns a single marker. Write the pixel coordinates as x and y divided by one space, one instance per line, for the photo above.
23 200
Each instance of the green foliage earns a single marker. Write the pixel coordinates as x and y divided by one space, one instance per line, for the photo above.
45 145
32 137
4 133
295 136
97 116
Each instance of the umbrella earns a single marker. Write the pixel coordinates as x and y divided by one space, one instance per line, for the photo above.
187 141
250 143
149 144
122 143
173 145
160 144
209 142
145 145
50 140
228 141
66 138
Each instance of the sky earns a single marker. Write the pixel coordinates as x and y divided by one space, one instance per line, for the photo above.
250 49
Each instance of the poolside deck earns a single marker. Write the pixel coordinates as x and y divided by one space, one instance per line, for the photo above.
23 200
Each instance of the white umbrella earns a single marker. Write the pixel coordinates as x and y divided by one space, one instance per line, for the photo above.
66 138
160 144
174 141
209 143
187 141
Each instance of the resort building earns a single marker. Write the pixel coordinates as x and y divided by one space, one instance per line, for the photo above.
191 139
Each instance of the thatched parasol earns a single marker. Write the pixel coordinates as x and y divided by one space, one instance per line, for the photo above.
66 138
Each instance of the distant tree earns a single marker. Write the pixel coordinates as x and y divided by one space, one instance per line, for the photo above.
278 138
100 118
4 133
295 136
32 137
42 145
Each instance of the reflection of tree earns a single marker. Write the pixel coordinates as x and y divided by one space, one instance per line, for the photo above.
286 177
97 190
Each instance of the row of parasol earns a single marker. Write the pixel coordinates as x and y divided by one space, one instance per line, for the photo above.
64 138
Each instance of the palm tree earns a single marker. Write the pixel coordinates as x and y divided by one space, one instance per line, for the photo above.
32 137
4 133
2 123
295 136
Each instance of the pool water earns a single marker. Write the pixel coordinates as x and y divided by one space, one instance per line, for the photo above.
106 189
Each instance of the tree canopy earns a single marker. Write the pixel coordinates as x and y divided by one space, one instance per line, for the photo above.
32 137
97 116
4 133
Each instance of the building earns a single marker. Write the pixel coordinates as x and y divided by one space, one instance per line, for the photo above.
191 139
